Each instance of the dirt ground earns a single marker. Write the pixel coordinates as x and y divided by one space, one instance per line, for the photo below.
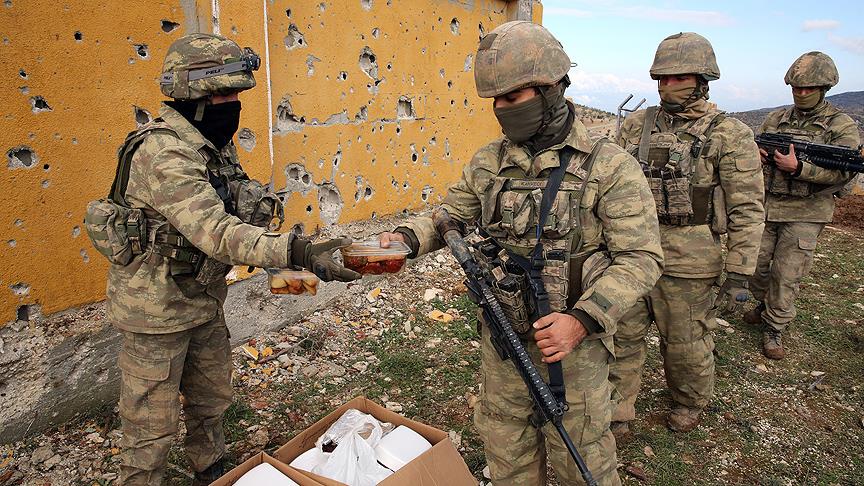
850 212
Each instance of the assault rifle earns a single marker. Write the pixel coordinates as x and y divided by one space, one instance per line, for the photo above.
504 339
826 156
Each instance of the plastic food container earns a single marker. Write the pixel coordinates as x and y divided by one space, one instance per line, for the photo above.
264 474
294 282
368 257
400 447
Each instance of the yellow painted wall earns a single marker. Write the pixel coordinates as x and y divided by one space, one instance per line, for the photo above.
85 60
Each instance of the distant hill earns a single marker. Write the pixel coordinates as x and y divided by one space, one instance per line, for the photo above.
852 103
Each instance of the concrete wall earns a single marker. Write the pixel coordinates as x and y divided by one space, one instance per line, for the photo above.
363 108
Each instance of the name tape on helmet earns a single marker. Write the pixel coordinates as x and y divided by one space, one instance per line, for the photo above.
248 62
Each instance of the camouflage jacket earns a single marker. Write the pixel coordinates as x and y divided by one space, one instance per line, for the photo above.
824 124
615 212
729 159
168 180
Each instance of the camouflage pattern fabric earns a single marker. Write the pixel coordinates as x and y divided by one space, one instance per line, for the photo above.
169 182
795 222
785 258
812 69
155 368
683 310
685 53
729 159
616 210
200 50
824 124
517 55
517 452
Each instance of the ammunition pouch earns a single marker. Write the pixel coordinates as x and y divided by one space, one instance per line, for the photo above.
117 232
678 201
254 203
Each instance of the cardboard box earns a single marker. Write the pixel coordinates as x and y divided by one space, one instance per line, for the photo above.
439 466
233 475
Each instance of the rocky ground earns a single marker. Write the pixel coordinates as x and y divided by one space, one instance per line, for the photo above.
409 342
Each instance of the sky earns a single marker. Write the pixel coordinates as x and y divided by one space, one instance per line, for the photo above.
613 42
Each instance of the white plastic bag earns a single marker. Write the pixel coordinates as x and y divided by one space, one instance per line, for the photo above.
353 461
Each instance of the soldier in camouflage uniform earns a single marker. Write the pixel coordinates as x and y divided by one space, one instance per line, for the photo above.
704 173
168 300
800 195
603 210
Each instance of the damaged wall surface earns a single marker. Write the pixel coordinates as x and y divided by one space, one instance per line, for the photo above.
363 108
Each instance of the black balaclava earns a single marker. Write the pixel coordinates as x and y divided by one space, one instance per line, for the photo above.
219 122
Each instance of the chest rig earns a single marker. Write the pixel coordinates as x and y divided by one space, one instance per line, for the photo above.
121 232
678 166
530 235
780 183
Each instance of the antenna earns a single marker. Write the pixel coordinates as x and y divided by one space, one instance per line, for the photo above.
628 110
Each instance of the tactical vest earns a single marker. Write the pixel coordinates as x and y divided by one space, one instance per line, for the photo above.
122 233
511 213
780 183
680 169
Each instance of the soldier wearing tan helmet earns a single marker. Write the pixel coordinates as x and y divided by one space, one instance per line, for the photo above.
704 172
181 212
601 251
799 195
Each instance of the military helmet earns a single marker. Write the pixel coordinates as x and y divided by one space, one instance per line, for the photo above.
518 55
200 65
812 69
685 53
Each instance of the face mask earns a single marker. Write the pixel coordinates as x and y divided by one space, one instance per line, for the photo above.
674 97
219 123
808 101
521 121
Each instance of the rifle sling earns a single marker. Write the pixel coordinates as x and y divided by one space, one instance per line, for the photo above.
534 267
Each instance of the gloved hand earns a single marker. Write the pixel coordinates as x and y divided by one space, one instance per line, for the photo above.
733 293
318 258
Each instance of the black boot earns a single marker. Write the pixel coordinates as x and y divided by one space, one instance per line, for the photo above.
211 474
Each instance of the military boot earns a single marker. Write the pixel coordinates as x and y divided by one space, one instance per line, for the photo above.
684 419
772 344
211 474
621 430
754 315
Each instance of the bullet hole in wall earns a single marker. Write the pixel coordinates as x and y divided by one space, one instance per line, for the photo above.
343 75
142 50
376 32
20 289
84 255
322 6
449 84
286 120
39 105
398 130
288 12
295 38
21 157
405 109
142 116
368 62
482 30
46 167
298 229
329 203
366 4
454 26
23 313
78 35
12 243
389 66
309 209
469 61
246 139
310 64
22 73
76 231
169 26
45 184
425 193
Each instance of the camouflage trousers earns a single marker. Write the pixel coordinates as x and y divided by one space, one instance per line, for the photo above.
683 310
516 452
155 369
785 257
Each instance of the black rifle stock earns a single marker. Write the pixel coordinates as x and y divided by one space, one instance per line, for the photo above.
506 342
826 156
